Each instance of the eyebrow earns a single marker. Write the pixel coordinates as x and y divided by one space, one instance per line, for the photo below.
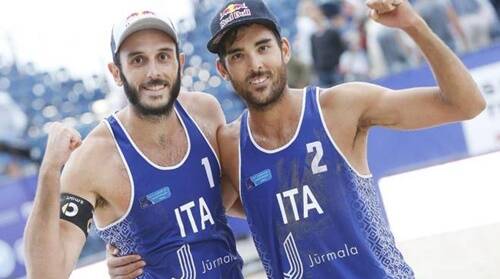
167 49
234 50
164 49
261 42
132 54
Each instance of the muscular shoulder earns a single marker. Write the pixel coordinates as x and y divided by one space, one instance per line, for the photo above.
347 93
206 112
228 139
229 134
202 106
349 99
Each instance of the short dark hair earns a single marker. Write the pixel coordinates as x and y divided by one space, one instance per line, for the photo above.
231 35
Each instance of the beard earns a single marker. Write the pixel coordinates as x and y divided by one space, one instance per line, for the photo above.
146 111
278 85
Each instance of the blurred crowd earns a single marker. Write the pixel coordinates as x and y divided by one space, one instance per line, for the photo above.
12 125
336 42
29 100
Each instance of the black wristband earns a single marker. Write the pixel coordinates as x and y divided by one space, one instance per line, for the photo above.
76 210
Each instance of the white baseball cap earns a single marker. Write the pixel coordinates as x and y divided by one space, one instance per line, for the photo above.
140 21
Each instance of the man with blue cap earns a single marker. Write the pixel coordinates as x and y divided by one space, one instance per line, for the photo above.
298 156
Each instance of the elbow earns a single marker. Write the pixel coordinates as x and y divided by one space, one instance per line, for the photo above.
470 106
475 107
481 106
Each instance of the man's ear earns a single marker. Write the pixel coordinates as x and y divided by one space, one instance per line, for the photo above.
286 50
221 69
182 60
115 72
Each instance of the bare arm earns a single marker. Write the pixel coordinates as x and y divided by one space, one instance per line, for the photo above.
231 199
52 245
227 137
124 267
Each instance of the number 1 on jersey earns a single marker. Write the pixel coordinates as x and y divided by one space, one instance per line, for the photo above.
208 169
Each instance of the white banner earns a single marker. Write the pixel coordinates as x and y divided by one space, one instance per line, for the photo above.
482 134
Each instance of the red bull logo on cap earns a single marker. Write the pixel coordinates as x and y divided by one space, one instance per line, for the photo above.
231 8
133 16
232 12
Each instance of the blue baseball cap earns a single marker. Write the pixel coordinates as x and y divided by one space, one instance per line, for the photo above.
236 13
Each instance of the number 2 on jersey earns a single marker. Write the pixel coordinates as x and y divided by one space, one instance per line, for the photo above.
318 148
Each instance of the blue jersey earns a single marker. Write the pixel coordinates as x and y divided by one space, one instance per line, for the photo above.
175 219
311 214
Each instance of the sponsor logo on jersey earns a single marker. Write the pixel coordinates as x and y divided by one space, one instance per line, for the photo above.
292 253
334 255
259 179
186 262
155 197
211 264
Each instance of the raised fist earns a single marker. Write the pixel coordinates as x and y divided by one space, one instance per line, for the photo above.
393 13
62 140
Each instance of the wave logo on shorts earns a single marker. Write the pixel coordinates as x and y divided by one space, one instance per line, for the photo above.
292 253
186 262
70 209
259 179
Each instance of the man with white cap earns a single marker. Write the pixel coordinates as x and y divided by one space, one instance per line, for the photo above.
148 175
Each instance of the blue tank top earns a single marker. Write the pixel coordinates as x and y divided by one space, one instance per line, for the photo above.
175 219
311 214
